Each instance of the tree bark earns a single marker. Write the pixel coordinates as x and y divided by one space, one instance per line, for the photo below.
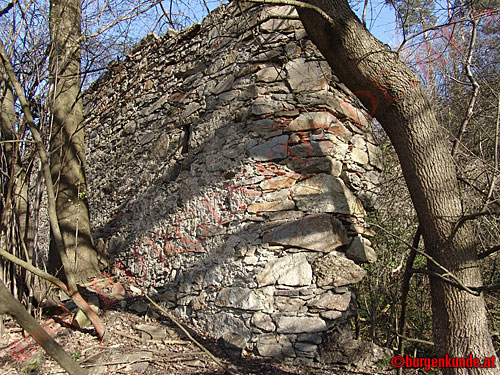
67 144
393 94
9 305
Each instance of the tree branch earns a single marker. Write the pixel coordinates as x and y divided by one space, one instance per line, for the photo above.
453 280
176 322
14 308
294 3
488 252
475 89
71 293
6 9
405 288
440 26
425 342
469 217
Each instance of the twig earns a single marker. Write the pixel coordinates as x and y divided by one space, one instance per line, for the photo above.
425 342
178 324
495 156
440 26
452 280
469 217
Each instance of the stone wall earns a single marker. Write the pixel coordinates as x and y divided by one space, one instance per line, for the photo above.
229 172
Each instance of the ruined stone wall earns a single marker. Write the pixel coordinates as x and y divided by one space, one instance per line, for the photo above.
229 172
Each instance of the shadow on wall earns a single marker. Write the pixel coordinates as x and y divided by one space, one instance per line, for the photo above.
218 178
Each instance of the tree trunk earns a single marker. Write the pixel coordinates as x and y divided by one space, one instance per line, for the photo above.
9 305
67 144
393 94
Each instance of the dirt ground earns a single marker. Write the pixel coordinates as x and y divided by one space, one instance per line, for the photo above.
141 343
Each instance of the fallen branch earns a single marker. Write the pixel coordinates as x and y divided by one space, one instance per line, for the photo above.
425 342
73 294
181 327
9 305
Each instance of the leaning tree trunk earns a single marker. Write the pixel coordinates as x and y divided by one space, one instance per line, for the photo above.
67 144
9 305
395 97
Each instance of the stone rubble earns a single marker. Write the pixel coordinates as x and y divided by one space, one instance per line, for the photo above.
227 171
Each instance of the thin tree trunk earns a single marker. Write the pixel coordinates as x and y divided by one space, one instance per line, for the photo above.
395 97
67 143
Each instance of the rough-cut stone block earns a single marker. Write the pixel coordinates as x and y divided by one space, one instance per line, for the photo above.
223 85
232 340
305 151
324 193
359 156
263 321
271 206
269 74
222 322
331 301
360 252
300 324
334 269
291 270
274 149
315 338
315 232
316 164
330 315
288 304
306 75
375 155
312 120
265 105
274 346
243 298
303 347
278 183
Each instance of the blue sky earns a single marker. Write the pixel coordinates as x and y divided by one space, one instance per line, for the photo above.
380 21
380 18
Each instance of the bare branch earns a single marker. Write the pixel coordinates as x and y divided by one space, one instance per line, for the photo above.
440 26
469 217
14 308
405 288
475 89
167 15
425 342
6 9
73 294
488 252
178 324
295 3
446 276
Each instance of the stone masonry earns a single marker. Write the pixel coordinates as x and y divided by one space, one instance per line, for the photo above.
229 172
